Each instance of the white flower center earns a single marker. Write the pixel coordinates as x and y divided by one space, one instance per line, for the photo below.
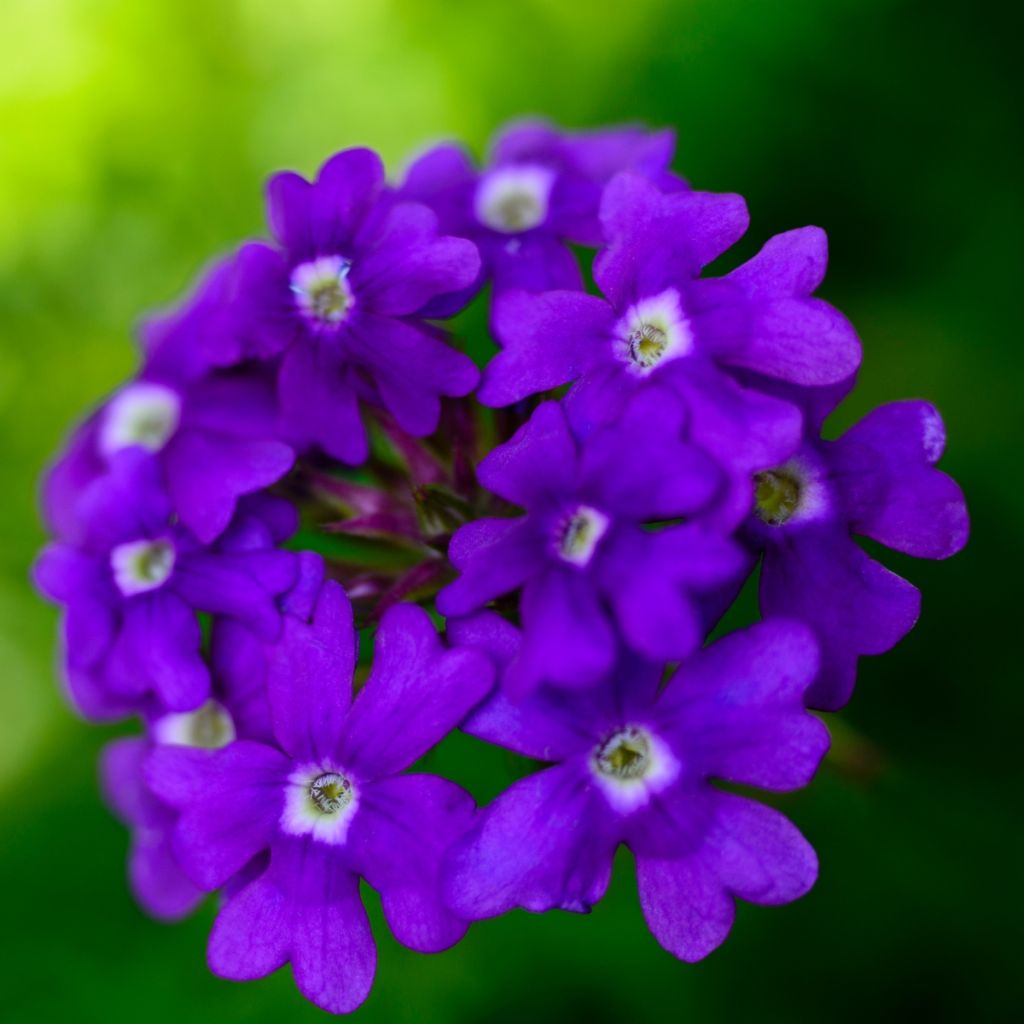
142 565
209 726
321 289
791 493
320 801
579 533
631 765
514 199
654 330
143 414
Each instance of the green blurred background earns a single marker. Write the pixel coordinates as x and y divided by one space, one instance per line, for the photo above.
134 139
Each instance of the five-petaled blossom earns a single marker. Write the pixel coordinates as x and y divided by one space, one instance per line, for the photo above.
327 803
633 764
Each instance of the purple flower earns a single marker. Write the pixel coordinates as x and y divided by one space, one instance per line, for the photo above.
582 555
327 803
878 480
662 323
540 190
132 582
158 883
214 440
633 764
341 299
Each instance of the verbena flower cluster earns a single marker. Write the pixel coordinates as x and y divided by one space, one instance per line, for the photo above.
539 548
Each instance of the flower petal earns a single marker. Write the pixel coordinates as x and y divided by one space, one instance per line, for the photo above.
411 262
417 692
804 341
333 954
319 404
790 264
885 463
854 605
494 556
565 864
207 474
736 707
539 460
547 340
309 677
404 828
685 905
251 937
568 638
231 815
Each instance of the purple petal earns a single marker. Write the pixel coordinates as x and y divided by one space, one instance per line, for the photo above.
804 341
649 579
324 217
894 495
544 843
252 934
547 726
180 778
441 177
158 884
547 340
241 584
758 853
122 784
157 648
539 461
67 478
309 677
657 239
397 842
534 263
207 474
790 264
743 430
854 605
568 639
494 556
266 322
685 905
412 263
232 816
603 153
641 468
334 958
736 707
416 693
318 403
412 370
238 662
81 581
127 503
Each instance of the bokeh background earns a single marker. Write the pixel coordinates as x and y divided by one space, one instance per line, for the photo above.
134 139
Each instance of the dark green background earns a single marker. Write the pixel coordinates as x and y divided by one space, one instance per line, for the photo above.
134 138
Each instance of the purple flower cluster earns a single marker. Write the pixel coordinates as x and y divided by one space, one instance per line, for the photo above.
306 455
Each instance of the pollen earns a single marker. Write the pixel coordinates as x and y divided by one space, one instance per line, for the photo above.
322 290
143 415
330 792
514 199
776 496
625 755
647 345
579 534
653 331
142 565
